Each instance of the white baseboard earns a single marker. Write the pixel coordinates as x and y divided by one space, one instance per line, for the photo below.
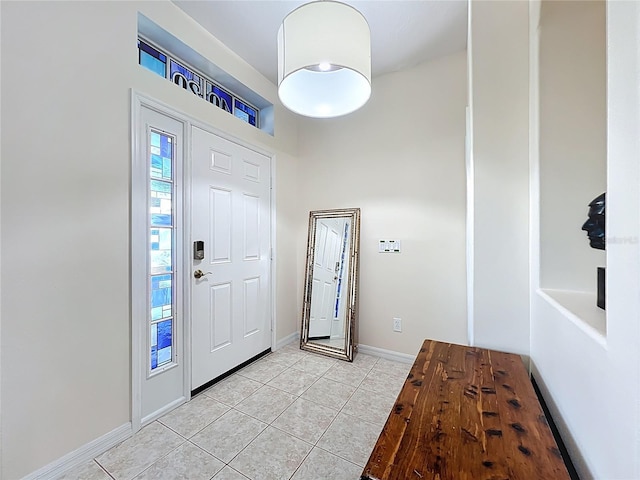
160 412
100 445
287 340
388 354
82 455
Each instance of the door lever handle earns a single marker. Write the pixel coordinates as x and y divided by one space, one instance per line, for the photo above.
199 274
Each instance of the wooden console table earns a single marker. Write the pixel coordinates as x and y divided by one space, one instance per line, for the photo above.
466 413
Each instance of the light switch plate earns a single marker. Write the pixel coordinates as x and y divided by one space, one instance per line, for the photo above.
389 246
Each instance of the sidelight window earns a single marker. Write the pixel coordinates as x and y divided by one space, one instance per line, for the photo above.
161 228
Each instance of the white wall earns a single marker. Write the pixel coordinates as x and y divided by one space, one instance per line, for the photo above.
590 381
65 352
65 377
401 160
573 139
68 68
499 52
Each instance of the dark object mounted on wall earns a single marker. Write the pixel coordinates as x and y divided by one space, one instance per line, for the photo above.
601 284
595 228
595 224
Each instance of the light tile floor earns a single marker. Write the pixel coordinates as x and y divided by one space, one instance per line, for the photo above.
290 415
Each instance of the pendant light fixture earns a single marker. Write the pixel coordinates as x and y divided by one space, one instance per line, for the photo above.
324 60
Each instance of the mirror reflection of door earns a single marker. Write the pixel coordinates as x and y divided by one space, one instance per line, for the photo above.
327 312
330 313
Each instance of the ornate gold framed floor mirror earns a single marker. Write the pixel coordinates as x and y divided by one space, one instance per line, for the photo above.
329 311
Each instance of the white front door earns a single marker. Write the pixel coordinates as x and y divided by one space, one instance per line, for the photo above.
325 275
231 215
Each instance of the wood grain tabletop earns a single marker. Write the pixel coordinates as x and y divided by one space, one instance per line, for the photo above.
466 413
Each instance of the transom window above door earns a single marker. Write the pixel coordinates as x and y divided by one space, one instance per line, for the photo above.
178 72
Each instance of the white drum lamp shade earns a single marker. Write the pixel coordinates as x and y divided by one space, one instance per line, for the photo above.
324 60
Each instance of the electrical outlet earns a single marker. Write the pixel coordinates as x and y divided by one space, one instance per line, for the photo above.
397 324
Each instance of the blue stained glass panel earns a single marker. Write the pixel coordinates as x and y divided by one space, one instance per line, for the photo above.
161 291
164 334
159 219
160 205
184 77
154 334
184 71
166 167
154 357
161 343
152 59
157 163
166 146
164 355
156 313
219 97
154 239
161 188
165 339
160 261
245 112
153 64
241 115
161 150
154 346
161 244
345 239
166 152
164 239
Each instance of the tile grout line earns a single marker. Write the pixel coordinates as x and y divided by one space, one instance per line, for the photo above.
271 423
289 367
103 469
298 396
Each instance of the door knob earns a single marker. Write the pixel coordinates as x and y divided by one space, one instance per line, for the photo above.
199 273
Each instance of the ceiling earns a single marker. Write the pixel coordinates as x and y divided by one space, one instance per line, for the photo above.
404 33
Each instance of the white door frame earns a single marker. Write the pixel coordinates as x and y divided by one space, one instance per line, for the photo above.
138 211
